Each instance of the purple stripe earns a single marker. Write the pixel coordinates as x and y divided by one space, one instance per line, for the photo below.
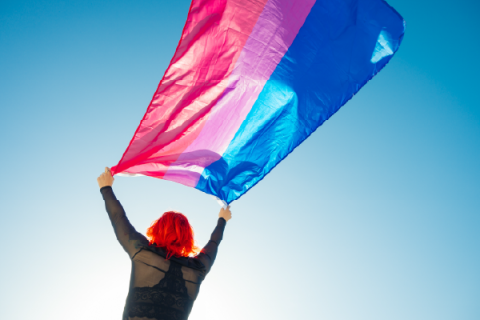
276 28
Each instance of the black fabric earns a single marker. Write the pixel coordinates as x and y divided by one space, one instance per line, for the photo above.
160 289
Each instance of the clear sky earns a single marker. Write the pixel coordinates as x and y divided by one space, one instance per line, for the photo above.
376 216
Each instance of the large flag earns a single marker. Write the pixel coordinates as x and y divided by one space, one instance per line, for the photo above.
250 80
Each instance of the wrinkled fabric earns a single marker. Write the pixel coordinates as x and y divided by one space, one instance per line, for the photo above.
250 81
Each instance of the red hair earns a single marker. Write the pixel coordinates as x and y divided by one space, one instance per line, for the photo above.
173 232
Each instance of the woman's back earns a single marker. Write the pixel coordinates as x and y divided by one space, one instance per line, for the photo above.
160 288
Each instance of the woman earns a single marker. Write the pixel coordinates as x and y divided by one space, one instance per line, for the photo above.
165 279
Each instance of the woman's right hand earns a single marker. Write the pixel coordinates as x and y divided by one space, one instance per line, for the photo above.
225 213
105 179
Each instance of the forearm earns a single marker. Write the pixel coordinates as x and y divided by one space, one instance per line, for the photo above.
209 252
107 193
112 205
126 234
217 234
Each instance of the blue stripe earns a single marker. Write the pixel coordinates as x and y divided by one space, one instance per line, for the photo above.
342 45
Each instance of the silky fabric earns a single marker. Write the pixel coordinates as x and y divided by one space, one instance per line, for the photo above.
250 81
160 289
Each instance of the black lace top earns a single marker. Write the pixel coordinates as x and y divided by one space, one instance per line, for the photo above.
160 289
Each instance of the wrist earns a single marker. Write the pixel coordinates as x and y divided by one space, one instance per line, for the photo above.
107 193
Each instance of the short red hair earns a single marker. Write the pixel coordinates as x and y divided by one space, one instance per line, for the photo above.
173 232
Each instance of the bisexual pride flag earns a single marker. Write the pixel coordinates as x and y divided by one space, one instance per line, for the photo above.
250 80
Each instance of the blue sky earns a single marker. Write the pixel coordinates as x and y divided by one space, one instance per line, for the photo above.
375 216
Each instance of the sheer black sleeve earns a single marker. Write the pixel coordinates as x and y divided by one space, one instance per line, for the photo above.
209 252
128 237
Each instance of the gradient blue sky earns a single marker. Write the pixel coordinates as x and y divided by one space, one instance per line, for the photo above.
376 216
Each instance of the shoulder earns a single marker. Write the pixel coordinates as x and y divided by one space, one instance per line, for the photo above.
189 262
195 263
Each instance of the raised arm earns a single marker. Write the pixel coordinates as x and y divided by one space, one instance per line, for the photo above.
209 252
129 238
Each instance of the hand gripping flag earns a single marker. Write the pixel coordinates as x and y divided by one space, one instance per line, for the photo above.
250 80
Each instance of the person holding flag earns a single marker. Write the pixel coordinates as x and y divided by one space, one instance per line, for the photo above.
167 267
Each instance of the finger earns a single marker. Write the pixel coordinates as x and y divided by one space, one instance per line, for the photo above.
107 170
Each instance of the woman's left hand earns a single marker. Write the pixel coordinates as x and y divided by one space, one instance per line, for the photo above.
105 179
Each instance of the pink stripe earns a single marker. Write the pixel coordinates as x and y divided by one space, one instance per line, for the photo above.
212 39
276 28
